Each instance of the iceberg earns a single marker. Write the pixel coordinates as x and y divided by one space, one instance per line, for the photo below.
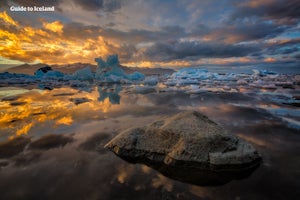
263 72
111 71
84 74
150 80
43 70
136 76
188 76
194 73
47 72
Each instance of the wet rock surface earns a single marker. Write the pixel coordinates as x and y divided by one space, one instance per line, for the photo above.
188 147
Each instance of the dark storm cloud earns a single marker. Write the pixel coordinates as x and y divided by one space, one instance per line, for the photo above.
297 56
167 51
112 5
200 30
163 30
94 5
138 35
283 47
283 43
283 51
30 2
243 30
134 36
90 5
81 31
286 11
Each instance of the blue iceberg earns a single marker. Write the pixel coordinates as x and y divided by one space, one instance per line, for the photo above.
111 71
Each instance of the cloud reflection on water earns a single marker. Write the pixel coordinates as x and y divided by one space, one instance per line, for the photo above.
52 106
82 169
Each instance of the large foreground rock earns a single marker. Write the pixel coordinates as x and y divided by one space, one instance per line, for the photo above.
188 147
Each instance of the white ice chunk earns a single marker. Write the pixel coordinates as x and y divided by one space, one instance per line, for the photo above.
263 72
242 82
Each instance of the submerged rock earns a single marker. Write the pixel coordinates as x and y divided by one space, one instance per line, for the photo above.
43 70
188 147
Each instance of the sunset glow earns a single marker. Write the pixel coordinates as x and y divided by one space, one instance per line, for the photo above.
178 34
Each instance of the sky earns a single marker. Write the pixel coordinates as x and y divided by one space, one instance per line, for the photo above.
153 33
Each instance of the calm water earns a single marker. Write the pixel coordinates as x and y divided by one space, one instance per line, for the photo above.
74 165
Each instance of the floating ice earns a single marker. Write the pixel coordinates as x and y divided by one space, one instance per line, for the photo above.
110 71
242 82
42 70
194 89
263 72
48 73
150 80
136 76
192 73
83 74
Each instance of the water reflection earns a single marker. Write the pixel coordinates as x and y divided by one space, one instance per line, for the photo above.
110 92
57 107
82 169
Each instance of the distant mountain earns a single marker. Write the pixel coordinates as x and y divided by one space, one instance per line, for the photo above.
71 68
25 68
5 67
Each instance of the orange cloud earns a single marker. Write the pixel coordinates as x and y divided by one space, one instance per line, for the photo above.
149 64
58 43
258 3
186 63
55 26
269 59
6 18
49 44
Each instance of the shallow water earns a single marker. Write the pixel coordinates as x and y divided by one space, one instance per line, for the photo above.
75 165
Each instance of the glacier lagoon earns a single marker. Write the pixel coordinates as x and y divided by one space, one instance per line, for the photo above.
64 123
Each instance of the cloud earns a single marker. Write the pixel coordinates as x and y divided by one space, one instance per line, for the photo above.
138 35
90 5
7 19
55 26
8 3
280 11
168 33
245 30
282 47
173 50
94 5
297 56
